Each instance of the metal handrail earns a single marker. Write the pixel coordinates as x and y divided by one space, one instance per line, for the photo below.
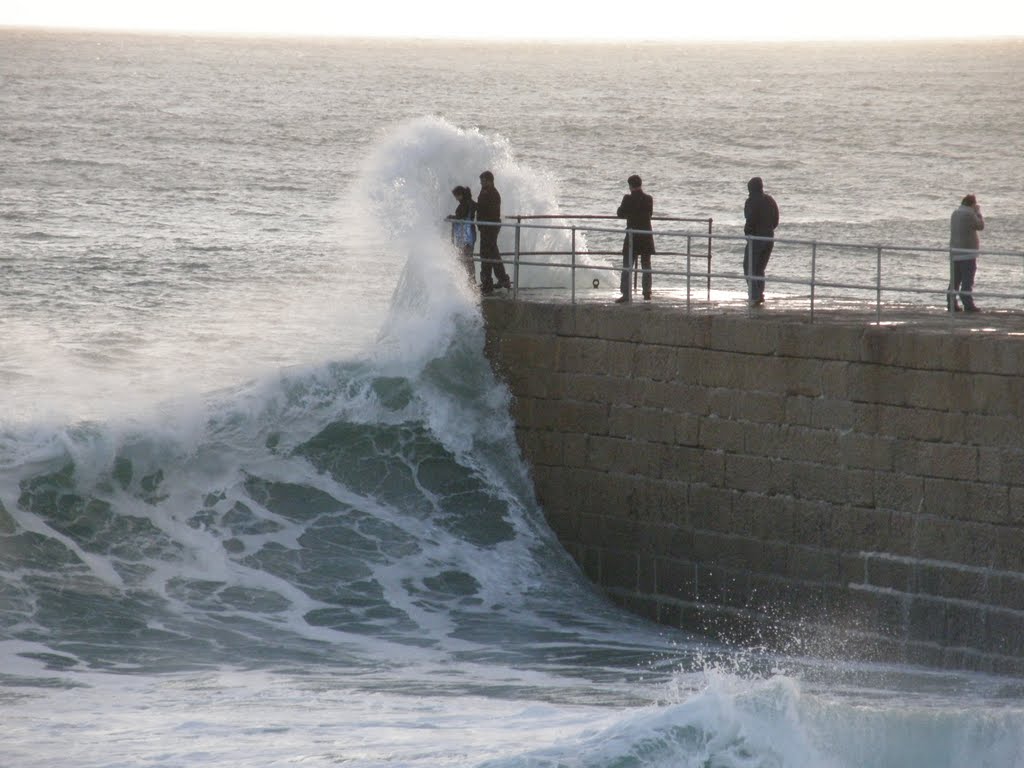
609 217
877 285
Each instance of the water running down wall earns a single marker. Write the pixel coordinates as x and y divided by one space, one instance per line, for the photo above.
831 488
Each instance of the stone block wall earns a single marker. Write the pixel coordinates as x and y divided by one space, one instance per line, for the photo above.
829 488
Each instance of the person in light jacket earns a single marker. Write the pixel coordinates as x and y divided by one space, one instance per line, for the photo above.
964 226
463 229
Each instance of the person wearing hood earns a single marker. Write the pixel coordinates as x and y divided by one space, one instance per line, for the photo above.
964 226
762 217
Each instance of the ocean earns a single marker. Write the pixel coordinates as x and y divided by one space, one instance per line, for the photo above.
260 498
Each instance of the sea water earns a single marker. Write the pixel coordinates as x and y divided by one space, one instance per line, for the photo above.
260 498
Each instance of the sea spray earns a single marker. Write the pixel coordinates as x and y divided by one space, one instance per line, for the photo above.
405 189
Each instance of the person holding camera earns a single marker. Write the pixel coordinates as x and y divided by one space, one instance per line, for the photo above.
636 208
964 226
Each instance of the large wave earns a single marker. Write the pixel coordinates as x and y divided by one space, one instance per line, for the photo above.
315 508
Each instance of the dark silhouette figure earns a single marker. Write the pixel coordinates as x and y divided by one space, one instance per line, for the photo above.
636 208
488 209
762 217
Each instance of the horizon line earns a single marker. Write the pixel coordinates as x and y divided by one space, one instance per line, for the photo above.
596 40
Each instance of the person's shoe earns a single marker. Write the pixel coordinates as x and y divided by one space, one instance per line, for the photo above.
486 290
756 302
506 284
971 309
622 300
647 297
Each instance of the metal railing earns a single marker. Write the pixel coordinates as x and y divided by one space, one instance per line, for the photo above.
573 228
836 272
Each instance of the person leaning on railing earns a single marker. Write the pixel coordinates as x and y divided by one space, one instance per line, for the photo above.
463 230
964 225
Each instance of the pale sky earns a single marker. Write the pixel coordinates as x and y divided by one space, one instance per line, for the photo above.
539 19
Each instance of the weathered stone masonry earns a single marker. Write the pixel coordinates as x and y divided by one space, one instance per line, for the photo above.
854 488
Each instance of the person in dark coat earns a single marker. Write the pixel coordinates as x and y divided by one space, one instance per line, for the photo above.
762 217
488 208
636 208
463 230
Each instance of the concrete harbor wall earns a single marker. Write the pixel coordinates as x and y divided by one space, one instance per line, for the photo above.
835 488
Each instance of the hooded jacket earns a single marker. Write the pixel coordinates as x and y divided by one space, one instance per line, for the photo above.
761 211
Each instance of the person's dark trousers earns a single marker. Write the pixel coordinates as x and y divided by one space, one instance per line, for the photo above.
963 283
490 259
761 250
645 277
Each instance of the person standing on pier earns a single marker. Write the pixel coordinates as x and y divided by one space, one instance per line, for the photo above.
762 217
488 208
964 226
463 229
636 208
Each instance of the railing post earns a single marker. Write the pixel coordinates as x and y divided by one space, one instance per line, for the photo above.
878 289
748 265
709 258
631 282
515 267
688 273
950 292
814 267
573 263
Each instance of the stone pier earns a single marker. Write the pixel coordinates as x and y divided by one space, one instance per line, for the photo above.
828 488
